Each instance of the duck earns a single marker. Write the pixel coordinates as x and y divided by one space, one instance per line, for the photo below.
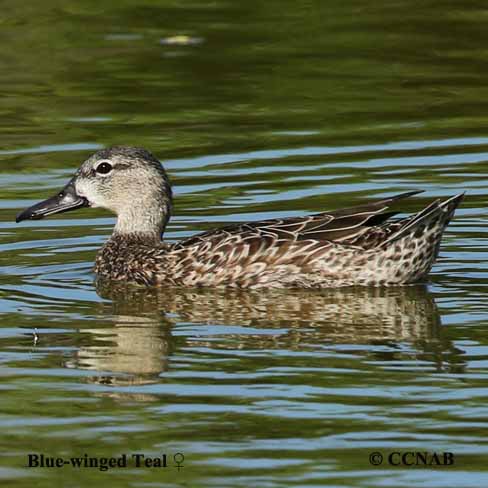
357 246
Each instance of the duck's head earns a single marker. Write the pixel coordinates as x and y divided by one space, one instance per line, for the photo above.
129 181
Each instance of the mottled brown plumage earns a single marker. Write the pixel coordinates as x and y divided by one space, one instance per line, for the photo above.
356 246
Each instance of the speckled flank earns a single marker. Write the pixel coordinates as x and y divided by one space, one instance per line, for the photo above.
355 246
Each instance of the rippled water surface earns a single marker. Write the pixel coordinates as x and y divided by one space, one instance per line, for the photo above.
258 110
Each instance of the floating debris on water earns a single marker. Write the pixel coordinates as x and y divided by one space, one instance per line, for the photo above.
180 40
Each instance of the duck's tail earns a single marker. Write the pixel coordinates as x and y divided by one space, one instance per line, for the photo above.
414 245
434 218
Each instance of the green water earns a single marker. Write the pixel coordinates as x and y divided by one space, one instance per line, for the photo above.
258 110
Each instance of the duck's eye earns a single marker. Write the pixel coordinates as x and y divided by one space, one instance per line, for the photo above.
103 168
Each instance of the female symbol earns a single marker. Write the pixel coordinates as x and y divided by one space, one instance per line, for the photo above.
178 459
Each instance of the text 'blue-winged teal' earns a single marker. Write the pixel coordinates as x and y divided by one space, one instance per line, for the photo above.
354 246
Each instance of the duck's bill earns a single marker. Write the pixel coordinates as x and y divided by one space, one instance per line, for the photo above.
64 201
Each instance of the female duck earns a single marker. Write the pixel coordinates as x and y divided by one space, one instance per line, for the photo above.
355 246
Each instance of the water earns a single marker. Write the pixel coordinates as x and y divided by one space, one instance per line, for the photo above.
259 110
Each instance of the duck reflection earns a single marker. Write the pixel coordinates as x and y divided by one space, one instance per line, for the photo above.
136 349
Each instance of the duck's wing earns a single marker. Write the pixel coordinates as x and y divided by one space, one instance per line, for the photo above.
341 226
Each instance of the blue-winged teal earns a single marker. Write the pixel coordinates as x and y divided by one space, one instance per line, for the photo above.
354 246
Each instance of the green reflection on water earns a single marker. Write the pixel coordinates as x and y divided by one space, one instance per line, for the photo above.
261 109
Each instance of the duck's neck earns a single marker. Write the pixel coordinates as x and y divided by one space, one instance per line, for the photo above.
146 220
